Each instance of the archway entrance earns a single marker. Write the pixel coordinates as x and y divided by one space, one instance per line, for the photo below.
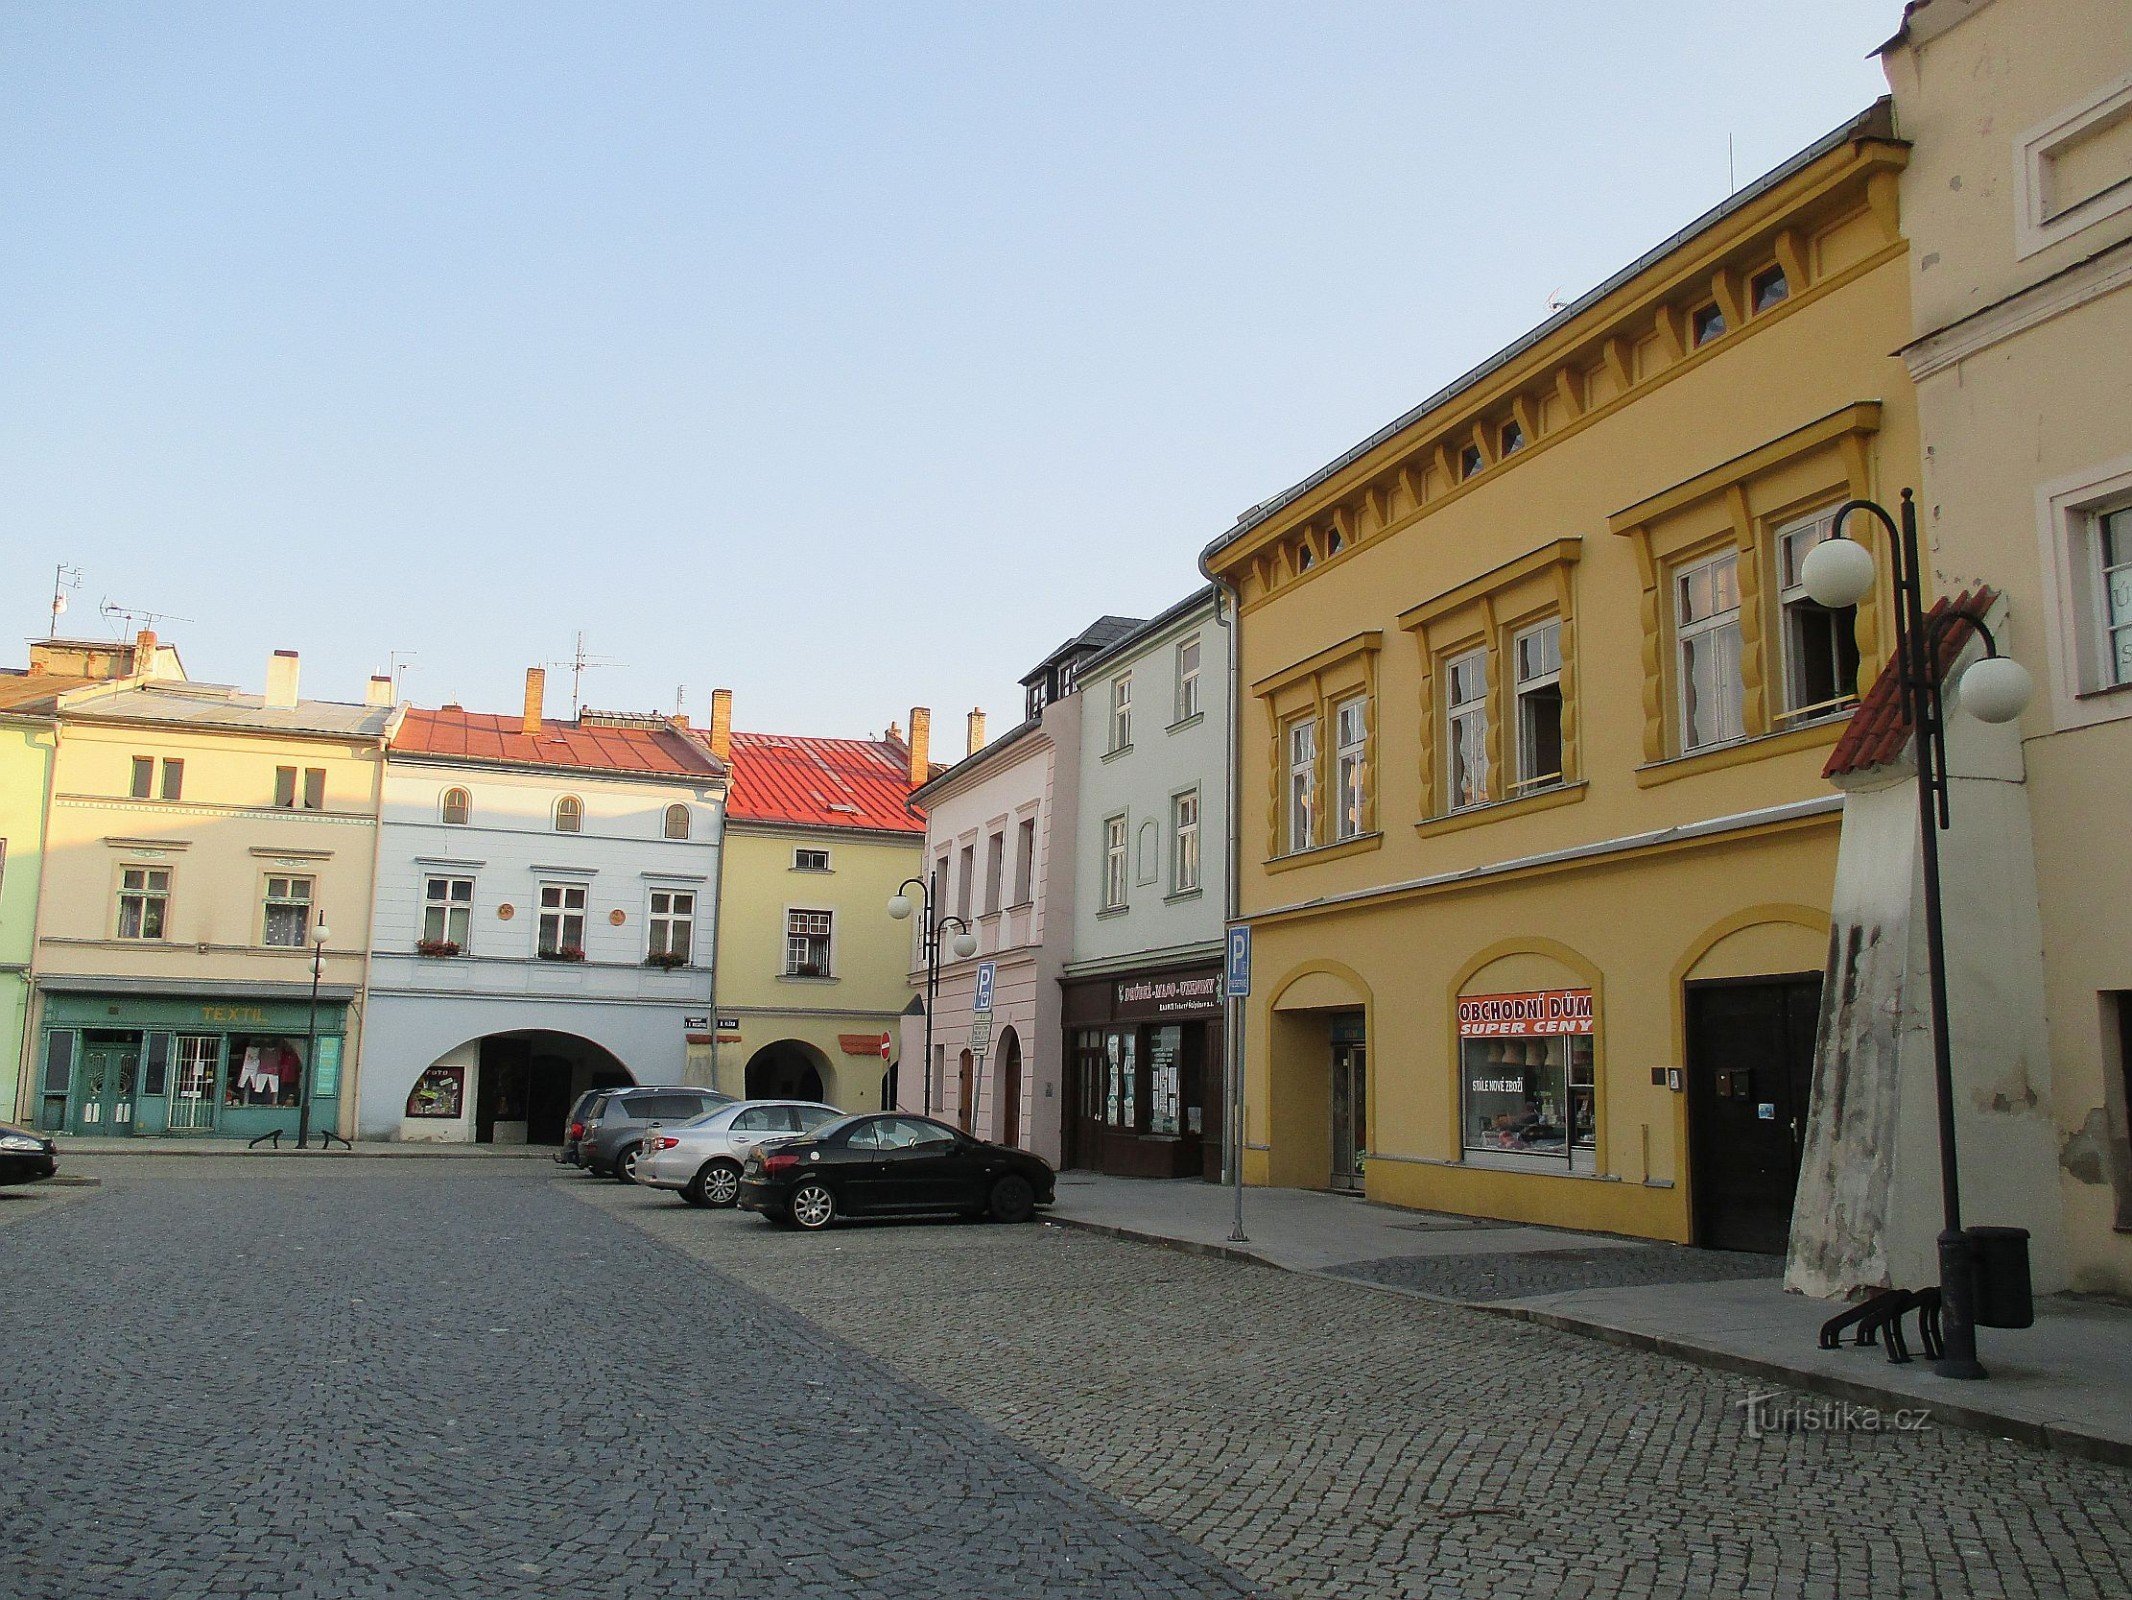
1010 1089
790 1069
514 1087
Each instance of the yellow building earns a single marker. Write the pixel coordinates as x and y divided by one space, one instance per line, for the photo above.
1532 828
199 840
811 975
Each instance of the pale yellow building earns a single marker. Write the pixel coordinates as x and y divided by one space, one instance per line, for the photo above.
819 834
199 841
1532 714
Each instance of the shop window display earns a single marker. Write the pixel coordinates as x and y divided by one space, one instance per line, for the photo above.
1526 1076
263 1072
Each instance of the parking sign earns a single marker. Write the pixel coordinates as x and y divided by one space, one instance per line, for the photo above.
985 973
1239 985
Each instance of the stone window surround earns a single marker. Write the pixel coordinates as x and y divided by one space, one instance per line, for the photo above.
1311 687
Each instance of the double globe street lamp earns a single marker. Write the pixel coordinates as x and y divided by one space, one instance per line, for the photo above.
900 906
1838 573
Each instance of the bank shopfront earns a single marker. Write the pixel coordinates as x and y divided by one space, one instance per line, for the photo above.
225 1064
1144 1073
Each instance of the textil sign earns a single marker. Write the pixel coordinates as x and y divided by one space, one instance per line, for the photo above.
1537 1013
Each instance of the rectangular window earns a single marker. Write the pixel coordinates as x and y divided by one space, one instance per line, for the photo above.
143 784
562 919
1528 1085
1114 865
810 861
447 911
995 868
966 881
1188 680
288 912
143 902
1025 861
807 944
1350 764
1706 623
1302 830
2114 548
198 1086
1121 712
173 787
285 788
1538 653
1184 843
673 923
314 788
1466 729
1820 646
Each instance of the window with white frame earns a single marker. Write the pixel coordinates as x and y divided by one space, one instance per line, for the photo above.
1188 680
807 944
1351 739
672 924
2113 551
562 919
676 823
288 912
1466 730
1537 655
143 902
995 870
1820 645
455 806
447 911
1025 861
1706 624
1121 711
1114 864
965 880
1302 802
804 860
569 814
1184 842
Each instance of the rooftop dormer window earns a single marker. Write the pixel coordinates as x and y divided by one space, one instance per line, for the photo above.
1470 461
1511 439
1709 323
1769 288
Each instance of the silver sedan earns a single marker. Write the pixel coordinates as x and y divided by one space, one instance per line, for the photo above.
701 1160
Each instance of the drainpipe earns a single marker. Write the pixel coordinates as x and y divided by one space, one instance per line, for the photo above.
718 929
1225 616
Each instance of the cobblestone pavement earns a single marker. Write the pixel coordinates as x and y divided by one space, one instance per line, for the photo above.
1328 1439
436 1379
1501 1275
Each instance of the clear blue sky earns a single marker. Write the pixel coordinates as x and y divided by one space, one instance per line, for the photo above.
846 356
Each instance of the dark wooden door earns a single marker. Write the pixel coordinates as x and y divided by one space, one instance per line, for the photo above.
1010 1091
1750 1072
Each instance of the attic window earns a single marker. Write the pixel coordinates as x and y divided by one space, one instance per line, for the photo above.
1768 288
1334 544
1512 438
1709 324
1305 557
1470 461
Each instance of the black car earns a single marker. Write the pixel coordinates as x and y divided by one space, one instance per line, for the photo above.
891 1164
26 1157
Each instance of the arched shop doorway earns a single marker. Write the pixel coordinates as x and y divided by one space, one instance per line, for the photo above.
790 1069
509 1088
1010 1088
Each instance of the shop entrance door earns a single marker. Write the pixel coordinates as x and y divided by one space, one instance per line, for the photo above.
1350 1116
104 1084
1750 1073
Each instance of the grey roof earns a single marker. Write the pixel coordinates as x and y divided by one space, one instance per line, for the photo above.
1099 635
1875 122
1201 596
216 705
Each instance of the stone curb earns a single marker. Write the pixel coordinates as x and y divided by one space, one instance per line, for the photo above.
290 1151
2061 1438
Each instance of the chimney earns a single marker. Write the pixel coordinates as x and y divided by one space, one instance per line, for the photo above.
976 735
722 724
921 738
378 692
536 689
282 667
144 654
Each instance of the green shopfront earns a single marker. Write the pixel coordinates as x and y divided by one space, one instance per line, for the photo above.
228 1063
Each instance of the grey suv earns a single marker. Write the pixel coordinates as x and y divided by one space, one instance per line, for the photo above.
614 1132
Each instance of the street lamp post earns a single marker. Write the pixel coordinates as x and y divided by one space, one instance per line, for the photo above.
1838 573
303 1068
965 946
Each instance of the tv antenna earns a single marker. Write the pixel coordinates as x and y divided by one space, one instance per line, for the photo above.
579 663
680 697
64 578
396 668
131 617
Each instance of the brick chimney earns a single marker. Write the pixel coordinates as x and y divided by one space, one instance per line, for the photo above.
722 724
974 740
536 690
921 738
378 691
282 668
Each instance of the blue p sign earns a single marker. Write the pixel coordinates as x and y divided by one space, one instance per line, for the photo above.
1239 984
986 971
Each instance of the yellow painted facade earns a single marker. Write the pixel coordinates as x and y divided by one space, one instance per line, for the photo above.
867 988
25 767
1698 407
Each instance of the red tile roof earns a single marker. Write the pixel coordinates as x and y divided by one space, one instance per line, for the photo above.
478 737
1879 730
822 783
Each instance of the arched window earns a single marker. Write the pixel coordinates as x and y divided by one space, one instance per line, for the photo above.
569 814
677 822
457 803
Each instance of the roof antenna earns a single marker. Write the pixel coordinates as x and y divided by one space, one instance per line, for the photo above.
128 616
1732 183
396 667
1555 302
64 578
577 664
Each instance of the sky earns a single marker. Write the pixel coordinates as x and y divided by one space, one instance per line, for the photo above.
850 357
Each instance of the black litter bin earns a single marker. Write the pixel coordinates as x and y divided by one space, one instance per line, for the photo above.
2004 1299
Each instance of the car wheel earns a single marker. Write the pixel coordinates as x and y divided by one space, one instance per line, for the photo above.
1012 1200
625 1164
813 1206
717 1184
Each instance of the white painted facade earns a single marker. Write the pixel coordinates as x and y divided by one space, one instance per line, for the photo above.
426 1010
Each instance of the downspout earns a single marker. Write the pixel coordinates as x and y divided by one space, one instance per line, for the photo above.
351 1095
1225 616
718 926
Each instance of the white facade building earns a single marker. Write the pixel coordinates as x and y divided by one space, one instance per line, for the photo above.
544 922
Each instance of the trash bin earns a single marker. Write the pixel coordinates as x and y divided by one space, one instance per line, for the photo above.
2004 1299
